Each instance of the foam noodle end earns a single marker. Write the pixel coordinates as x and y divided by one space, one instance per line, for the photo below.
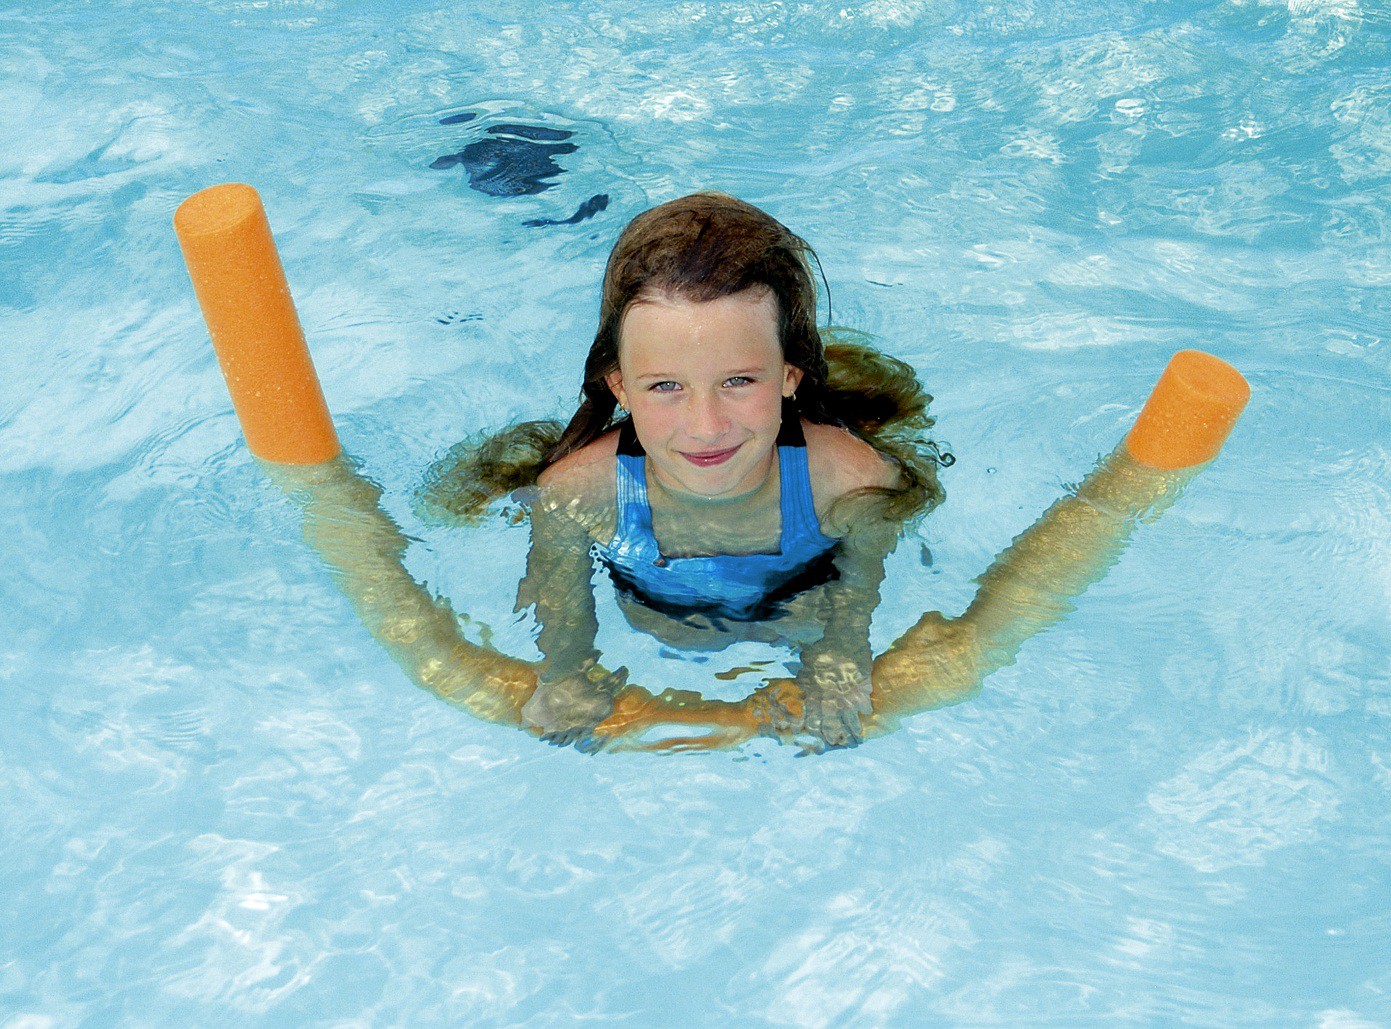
1191 412
217 209
241 288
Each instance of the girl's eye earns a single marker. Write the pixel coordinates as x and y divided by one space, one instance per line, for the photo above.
738 380
666 386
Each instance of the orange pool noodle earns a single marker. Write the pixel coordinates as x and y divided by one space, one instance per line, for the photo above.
251 318
1190 413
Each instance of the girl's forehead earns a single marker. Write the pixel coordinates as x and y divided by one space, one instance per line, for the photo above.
741 327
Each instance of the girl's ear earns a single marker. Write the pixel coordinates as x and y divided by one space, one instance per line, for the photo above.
791 379
614 381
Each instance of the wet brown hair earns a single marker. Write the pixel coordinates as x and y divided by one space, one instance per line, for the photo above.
700 248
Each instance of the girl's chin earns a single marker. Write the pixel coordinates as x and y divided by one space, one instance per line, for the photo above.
710 483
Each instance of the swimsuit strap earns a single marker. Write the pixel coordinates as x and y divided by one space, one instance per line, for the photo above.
795 500
634 511
790 432
798 508
628 440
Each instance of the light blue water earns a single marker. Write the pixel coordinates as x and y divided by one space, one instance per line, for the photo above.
222 804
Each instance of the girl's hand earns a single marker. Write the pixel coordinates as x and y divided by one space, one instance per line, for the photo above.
835 692
567 709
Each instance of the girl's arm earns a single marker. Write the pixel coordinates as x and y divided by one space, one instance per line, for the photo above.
559 584
835 676
835 673
574 693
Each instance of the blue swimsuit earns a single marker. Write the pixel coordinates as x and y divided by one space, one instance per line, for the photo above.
742 586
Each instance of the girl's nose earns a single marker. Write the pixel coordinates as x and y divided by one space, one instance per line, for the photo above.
707 421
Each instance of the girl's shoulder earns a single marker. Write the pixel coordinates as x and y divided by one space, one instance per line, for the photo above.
582 468
839 463
583 485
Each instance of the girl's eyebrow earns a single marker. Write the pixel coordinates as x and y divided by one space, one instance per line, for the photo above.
662 376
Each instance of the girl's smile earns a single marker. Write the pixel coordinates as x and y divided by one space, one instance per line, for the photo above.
705 382
709 459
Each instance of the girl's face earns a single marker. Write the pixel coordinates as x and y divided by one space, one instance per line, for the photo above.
705 383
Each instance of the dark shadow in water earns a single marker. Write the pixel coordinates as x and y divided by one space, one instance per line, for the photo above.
536 133
516 160
588 209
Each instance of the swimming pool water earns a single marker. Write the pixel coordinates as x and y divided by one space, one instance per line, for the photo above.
223 804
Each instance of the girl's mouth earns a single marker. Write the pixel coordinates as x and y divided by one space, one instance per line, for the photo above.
710 457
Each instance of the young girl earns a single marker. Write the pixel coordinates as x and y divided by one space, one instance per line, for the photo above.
735 477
